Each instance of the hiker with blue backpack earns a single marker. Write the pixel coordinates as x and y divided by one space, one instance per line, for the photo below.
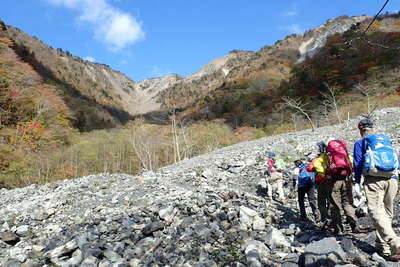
305 186
377 161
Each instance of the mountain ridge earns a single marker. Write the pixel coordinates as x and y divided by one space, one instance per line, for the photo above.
116 89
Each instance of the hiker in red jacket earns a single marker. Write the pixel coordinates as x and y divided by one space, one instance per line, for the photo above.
274 178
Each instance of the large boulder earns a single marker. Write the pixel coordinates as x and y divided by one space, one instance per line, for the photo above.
325 252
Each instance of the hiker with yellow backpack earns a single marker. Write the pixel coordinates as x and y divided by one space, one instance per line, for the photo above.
334 168
318 165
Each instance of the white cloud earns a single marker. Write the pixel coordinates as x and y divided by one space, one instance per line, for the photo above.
290 13
293 28
156 71
114 27
293 10
91 59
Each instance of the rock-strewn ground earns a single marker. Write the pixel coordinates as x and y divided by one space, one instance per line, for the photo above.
205 211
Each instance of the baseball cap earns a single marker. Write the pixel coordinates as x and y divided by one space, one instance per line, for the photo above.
365 124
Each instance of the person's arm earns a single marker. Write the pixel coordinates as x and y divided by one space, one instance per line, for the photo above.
295 176
310 167
270 165
358 160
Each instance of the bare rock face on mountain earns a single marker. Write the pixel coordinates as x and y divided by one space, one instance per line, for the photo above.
146 91
316 38
204 211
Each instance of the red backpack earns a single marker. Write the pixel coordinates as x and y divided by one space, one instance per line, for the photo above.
339 165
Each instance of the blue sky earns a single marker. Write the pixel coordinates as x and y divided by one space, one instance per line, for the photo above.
152 38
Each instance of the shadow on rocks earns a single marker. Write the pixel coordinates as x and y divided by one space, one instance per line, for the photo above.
289 215
261 192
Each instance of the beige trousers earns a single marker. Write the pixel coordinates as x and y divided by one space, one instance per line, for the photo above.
380 194
275 184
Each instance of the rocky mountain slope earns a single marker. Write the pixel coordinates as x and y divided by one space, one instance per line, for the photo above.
272 63
113 90
204 211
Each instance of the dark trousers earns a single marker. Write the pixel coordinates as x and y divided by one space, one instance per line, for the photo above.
323 197
310 192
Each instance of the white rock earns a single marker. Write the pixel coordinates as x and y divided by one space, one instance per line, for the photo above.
22 230
18 254
258 224
275 239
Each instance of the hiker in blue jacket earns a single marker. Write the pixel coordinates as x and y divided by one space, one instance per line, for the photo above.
380 187
305 184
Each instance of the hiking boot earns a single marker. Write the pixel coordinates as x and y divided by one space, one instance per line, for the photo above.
395 254
356 229
338 229
283 201
395 257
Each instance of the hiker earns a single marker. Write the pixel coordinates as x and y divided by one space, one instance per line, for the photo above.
305 186
339 172
380 183
319 165
274 176
293 183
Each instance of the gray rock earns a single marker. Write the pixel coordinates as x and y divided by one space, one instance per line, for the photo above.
9 237
90 262
111 255
247 216
12 263
276 239
164 213
61 250
18 254
22 230
152 227
258 224
208 174
377 258
256 253
348 245
326 252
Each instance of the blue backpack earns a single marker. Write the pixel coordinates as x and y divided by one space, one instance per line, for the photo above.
305 178
381 159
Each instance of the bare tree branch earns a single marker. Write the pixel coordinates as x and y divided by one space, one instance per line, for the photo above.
331 100
299 106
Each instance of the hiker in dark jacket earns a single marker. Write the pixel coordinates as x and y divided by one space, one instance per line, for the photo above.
380 191
305 186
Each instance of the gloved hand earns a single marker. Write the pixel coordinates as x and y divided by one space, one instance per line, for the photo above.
357 190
